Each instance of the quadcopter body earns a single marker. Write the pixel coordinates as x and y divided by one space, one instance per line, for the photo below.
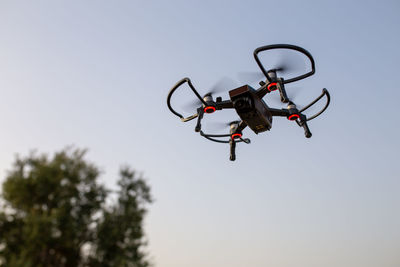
249 104
251 109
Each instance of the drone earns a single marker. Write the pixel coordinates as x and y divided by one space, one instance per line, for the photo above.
249 104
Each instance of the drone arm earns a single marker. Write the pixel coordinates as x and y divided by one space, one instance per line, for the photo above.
279 112
302 121
241 126
262 91
223 104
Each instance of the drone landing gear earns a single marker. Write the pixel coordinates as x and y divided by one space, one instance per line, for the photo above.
303 123
232 144
200 112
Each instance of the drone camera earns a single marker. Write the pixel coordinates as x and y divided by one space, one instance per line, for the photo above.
242 98
243 103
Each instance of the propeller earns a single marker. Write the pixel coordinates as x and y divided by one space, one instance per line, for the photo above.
221 125
223 84
251 76
275 97
287 63
292 97
293 92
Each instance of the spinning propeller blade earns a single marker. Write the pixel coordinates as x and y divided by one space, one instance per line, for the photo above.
221 125
251 76
287 63
224 84
275 99
292 94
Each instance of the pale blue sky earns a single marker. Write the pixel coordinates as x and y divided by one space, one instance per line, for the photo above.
96 74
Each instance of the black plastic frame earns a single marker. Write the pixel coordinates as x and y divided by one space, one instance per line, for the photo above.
285 46
328 100
212 137
173 89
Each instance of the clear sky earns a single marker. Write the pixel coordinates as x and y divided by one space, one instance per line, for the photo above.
96 74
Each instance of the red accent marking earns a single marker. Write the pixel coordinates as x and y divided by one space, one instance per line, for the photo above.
236 135
209 109
293 117
270 85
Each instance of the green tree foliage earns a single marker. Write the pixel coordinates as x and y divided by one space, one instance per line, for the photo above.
54 213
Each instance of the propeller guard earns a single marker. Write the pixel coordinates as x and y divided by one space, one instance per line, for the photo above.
328 100
285 46
171 92
212 137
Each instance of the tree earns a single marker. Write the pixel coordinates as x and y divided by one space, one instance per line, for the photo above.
55 214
